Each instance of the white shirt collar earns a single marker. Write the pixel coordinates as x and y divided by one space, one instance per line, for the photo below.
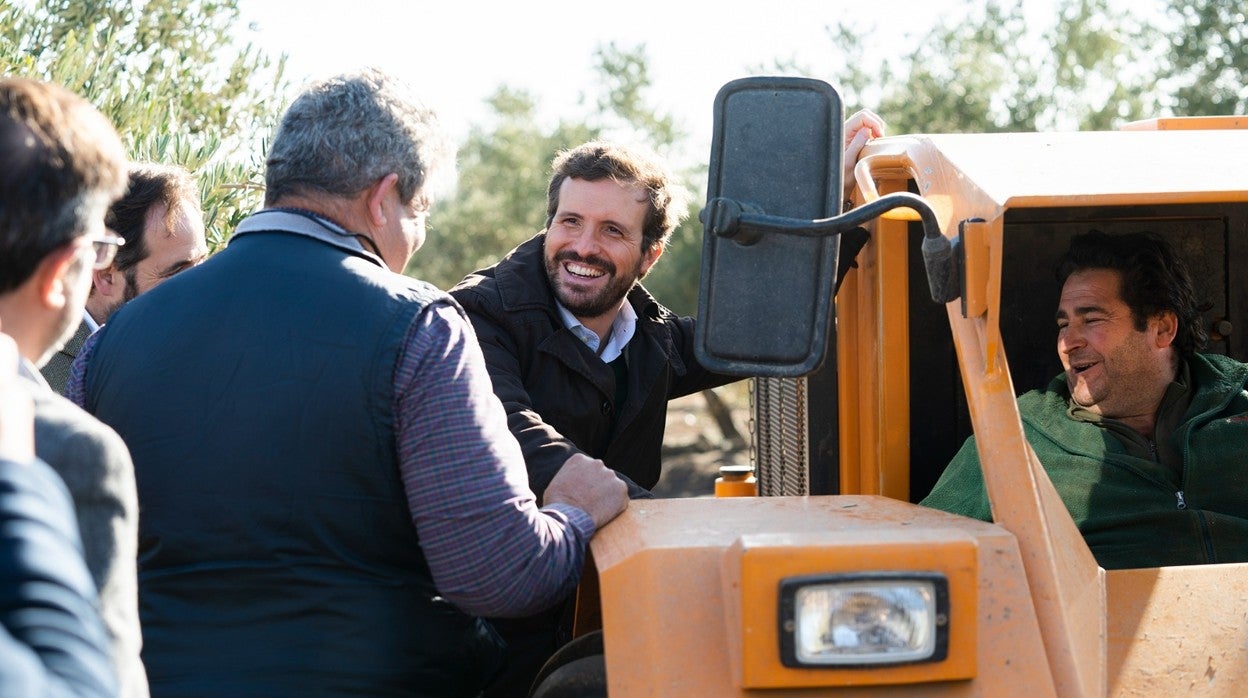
92 325
31 373
622 329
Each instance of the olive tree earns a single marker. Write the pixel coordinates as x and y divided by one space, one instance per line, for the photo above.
172 75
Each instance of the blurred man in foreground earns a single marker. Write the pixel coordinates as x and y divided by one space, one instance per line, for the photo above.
63 166
51 637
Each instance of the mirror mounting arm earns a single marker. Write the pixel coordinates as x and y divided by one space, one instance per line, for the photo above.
747 224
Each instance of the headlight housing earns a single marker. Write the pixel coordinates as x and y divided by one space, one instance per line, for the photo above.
863 619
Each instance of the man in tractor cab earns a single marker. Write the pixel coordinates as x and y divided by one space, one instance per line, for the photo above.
1144 438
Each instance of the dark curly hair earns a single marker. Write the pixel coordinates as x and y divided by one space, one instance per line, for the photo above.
150 184
1154 279
598 160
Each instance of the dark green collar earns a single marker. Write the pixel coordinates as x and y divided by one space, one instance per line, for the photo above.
1170 416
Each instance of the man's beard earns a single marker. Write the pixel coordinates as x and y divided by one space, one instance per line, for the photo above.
128 293
605 300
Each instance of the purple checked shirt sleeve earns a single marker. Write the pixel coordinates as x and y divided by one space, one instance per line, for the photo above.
491 550
75 389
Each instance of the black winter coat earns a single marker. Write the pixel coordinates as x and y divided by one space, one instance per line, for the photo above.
559 396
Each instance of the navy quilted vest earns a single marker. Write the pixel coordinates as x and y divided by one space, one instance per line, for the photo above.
277 555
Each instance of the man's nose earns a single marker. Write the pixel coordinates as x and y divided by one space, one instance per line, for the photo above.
1069 339
585 242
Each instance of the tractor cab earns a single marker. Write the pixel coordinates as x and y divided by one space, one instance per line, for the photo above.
880 336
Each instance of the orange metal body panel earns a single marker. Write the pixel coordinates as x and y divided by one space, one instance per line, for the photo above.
1178 631
1187 123
677 623
757 563
874 365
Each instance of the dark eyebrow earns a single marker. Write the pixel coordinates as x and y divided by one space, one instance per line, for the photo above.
1082 310
609 221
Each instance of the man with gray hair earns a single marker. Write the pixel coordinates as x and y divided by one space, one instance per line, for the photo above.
331 497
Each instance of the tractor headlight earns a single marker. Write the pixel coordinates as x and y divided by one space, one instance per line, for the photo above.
863 619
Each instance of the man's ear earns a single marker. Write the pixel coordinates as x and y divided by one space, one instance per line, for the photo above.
107 282
1167 327
375 199
649 257
51 276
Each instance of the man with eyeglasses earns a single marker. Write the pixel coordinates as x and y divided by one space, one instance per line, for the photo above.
63 164
331 498
161 221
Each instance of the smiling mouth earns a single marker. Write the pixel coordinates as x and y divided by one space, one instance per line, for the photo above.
1079 368
582 271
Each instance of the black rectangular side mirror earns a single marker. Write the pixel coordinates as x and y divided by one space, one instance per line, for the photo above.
765 305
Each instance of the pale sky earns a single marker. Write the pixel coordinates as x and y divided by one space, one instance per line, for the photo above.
454 54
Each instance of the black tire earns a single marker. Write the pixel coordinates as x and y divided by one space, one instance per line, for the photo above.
581 678
577 669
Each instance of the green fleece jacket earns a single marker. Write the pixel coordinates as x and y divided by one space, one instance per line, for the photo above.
1132 511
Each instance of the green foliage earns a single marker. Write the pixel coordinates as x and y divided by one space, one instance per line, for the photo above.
1209 57
504 168
1089 65
1094 64
181 88
501 197
625 86
673 280
1000 70
978 57
172 78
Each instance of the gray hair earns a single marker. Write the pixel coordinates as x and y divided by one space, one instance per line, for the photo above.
344 133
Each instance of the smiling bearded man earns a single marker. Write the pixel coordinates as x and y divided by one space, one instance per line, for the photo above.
582 356
596 231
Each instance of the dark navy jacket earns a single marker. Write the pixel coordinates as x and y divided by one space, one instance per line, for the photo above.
52 641
277 555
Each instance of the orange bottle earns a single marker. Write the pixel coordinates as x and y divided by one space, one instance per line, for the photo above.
736 481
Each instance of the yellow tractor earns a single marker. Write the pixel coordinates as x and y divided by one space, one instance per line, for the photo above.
857 327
